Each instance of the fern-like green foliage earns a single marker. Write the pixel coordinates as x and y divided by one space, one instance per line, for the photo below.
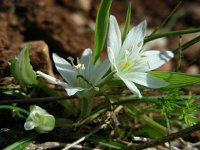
173 104
189 111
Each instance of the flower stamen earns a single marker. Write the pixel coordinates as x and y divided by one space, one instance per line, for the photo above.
79 65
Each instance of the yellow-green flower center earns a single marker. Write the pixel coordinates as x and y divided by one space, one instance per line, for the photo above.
126 65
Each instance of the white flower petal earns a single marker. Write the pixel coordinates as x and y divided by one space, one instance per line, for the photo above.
71 91
134 40
132 87
111 57
131 63
145 79
65 69
87 60
30 125
100 71
152 59
86 56
52 79
114 35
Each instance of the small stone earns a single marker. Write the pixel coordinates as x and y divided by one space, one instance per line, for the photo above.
194 69
79 19
85 4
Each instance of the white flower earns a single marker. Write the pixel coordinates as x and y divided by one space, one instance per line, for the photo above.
130 61
40 120
78 77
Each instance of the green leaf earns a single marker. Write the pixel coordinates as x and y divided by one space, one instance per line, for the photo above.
21 69
101 28
20 145
175 79
127 22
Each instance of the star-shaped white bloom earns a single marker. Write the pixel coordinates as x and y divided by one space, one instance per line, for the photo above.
130 62
78 77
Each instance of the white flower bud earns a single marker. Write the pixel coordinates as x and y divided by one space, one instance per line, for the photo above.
40 120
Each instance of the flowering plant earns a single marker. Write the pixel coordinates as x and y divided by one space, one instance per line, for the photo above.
130 61
117 83
78 77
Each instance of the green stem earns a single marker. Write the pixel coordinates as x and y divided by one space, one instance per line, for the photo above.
86 107
134 100
90 117
188 44
86 98
14 108
134 111
172 33
168 128
179 54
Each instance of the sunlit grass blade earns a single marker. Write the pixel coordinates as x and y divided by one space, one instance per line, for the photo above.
101 27
21 69
127 22
172 33
175 79
20 145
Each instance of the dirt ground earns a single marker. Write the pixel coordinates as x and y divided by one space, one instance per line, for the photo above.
67 27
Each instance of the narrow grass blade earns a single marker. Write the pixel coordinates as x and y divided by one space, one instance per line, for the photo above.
20 145
175 79
127 22
101 27
172 33
167 19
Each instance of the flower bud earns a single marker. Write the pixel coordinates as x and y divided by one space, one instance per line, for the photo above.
40 120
